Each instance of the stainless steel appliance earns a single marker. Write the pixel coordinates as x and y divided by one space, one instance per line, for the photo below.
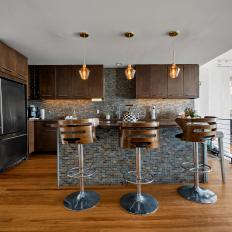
33 112
13 126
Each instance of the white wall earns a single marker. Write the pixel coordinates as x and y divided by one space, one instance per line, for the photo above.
215 97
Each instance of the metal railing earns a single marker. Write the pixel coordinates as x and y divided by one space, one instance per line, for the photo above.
224 125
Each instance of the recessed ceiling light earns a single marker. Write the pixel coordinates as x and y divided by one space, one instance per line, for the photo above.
118 64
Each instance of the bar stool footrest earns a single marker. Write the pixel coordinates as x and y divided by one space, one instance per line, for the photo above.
130 177
202 168
75 172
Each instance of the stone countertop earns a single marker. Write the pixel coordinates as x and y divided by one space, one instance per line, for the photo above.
162 123
112 124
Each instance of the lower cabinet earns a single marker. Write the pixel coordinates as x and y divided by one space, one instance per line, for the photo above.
42 136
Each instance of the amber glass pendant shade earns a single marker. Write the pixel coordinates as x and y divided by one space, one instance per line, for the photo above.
130 72
173 71
84 72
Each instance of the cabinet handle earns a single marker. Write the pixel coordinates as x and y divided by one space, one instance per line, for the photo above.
50 125
47 125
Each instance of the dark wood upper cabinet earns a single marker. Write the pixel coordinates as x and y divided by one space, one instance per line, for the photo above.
158 81
143 76
176 86
191 81
21 66
152 81
64 82
64 77
33 82
96 82
13 65
47 81
7 59
79 86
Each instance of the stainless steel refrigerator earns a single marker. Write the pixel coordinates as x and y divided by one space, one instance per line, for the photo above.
13 123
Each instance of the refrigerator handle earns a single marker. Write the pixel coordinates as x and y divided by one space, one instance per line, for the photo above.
1 113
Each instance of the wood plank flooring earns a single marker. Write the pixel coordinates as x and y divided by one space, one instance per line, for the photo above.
30 201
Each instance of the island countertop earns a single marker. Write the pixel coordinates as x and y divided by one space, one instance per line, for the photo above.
108 124
162 123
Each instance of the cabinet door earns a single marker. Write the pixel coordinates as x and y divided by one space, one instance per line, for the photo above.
45 137
79 86
143 76
31 136
64 76
7 59
158 81
33 82
96 82
191 81
47 81
176 86
21 66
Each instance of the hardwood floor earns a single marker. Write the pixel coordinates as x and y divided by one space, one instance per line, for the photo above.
30 201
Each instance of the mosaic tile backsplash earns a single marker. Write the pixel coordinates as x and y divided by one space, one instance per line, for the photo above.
119 92
113 162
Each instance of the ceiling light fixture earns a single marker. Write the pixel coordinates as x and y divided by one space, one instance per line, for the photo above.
130 71
84 71
173 70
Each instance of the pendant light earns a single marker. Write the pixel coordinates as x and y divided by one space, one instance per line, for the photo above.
130 71
84 71
173 70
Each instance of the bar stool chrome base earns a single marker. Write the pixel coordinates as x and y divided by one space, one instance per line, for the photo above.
143 204
197 194
78 201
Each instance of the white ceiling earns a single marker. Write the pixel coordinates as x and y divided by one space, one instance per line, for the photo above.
44 30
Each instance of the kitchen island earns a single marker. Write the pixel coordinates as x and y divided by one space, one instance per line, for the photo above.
112 162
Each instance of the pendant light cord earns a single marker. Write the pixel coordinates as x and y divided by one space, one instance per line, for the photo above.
129 49
173 51
84 50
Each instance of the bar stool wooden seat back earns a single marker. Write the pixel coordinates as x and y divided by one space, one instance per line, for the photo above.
79 132
136 136
197 130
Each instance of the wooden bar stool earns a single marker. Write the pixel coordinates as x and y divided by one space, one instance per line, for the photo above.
79 132
197 130
136 136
